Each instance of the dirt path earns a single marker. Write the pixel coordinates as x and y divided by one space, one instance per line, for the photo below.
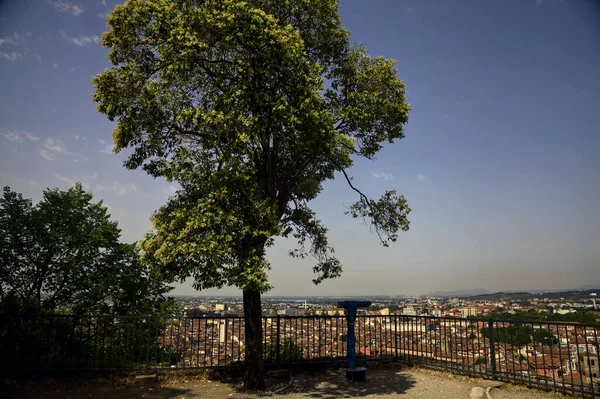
381 384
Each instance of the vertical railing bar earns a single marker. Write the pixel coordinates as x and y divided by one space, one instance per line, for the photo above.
570 361
196 332
552 359
597 352
227 355
589 364
545 371
579 362
277 343
205 356
219 343
492 349
173 349
396 336
560 359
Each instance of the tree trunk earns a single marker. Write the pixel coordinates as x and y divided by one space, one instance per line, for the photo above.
254 370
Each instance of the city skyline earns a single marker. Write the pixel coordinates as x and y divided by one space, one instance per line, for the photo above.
499 163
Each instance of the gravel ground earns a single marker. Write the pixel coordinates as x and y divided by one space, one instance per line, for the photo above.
409 383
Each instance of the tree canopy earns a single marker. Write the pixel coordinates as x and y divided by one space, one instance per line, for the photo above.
250 106
65 253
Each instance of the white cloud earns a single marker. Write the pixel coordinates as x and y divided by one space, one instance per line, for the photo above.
15 136
422 177
15 38
102 141
50 149
85 180
11 56
54 145
104 14
89 183
108 149
409 9
7 40
116 187
82 40
66 7
80 138
382 175
48 155
55 150
54 65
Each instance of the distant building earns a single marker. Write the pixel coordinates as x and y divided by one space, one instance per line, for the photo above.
562 311
221 306
468 311
409 311
290 312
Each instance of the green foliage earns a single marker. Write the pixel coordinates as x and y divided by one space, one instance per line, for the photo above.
64 254
250 106
481 360
514 335
545 337
64 341
288 350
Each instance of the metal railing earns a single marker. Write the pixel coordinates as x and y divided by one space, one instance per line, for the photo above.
551 355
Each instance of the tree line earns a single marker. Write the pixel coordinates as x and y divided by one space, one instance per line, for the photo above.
579 316
63 256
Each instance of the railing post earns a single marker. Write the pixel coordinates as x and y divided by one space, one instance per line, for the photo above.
492 349
277 345
396 335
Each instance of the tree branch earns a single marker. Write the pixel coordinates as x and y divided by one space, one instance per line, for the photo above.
349 180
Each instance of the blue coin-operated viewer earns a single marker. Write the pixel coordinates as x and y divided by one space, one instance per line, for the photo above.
353 373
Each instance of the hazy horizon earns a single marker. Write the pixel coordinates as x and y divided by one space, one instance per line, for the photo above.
500 163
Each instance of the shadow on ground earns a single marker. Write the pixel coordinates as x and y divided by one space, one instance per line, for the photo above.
332 384
86 389
318 384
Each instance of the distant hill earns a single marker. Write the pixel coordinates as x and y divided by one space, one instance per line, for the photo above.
520 296
459 293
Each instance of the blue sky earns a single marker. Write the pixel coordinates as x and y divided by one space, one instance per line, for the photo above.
501 163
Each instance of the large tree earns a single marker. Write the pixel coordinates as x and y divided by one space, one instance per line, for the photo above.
250 106
64 253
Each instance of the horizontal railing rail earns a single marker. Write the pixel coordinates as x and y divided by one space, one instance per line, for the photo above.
552 355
